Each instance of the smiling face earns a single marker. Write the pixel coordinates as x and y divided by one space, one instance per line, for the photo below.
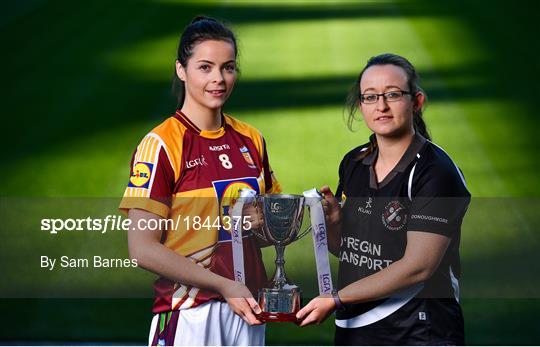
389 119
210 74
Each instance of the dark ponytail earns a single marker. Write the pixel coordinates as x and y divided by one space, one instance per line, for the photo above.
200 29
353 98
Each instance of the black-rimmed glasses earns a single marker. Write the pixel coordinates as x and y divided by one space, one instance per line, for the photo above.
395 95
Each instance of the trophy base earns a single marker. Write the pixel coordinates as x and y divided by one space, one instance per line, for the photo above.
269 317
279 305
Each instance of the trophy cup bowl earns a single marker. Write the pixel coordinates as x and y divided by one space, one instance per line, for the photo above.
282 218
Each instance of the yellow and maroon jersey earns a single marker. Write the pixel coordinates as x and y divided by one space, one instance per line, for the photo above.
180 171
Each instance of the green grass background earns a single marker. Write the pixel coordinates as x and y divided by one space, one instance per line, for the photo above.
84 81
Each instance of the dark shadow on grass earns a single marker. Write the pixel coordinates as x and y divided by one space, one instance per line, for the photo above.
461 83
114 100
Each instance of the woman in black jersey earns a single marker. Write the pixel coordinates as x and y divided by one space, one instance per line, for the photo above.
397 231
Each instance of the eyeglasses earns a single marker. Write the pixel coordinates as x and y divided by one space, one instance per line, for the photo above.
392 96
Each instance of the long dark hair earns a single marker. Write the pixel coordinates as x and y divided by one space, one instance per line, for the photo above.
200 29
353 98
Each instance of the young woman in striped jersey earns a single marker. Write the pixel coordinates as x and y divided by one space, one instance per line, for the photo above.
192 166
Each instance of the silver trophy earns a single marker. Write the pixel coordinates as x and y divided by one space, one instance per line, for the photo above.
281 221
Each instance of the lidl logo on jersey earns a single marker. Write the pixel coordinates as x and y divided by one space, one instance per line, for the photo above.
227 192
140 175
245 153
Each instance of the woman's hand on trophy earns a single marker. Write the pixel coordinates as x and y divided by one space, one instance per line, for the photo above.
332 210
317 310
252 216
241 301
332 215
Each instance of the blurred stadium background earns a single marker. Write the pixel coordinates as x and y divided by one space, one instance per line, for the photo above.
84 81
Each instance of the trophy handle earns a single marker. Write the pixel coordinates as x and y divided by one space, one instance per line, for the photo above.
304 233
259 234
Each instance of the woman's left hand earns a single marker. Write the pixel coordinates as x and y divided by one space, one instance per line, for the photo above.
251 214
317 310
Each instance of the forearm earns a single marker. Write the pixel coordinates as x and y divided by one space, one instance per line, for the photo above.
395 277
161 260
334 238
422 257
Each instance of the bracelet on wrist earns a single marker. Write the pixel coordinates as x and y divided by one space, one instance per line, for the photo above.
339 304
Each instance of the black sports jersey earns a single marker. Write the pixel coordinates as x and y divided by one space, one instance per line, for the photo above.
424 192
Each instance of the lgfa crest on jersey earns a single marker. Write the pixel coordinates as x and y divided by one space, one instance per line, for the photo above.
245 153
